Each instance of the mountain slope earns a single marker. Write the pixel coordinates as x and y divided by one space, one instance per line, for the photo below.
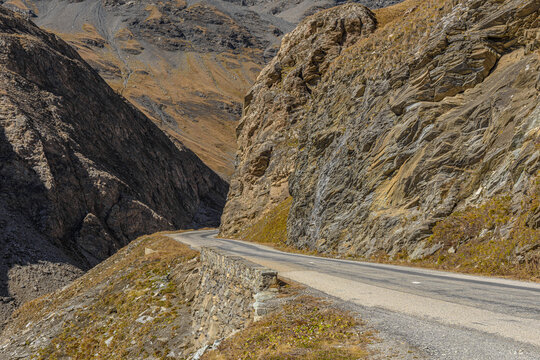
94 314
83 172
419 140
185 64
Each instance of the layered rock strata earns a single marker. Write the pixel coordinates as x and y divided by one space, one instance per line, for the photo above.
435 111
276 106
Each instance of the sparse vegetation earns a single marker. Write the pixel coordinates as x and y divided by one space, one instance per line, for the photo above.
272 227
307 328
462 226
490 239
132 304
395 41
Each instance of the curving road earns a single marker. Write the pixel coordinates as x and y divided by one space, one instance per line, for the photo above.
443 315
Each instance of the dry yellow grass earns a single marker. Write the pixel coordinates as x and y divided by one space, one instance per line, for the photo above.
123 259
403 31
306 328
271 230
390 13
204 130
272 227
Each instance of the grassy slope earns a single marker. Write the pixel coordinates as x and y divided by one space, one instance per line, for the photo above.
271 228
306 328
132 304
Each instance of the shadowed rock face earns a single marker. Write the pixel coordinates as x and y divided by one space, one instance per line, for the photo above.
82 171
435 110
185 64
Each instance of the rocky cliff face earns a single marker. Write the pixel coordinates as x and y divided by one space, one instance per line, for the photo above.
83 172
185 64
276 106
431 114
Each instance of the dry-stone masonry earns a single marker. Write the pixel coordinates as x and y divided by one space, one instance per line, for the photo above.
232 293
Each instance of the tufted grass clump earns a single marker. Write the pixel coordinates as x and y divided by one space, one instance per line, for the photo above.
306 328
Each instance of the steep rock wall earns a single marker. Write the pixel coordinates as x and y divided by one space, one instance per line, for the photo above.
435 111
275 108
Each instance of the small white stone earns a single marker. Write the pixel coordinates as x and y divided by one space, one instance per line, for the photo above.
109 340
144 319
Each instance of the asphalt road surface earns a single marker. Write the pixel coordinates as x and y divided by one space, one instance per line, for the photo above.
442 315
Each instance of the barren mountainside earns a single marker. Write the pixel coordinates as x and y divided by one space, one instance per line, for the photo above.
185 64
411 131
82 171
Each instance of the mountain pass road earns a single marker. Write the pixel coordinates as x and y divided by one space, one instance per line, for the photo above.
443 315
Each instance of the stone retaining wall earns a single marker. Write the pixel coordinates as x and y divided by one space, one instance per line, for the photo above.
233 292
